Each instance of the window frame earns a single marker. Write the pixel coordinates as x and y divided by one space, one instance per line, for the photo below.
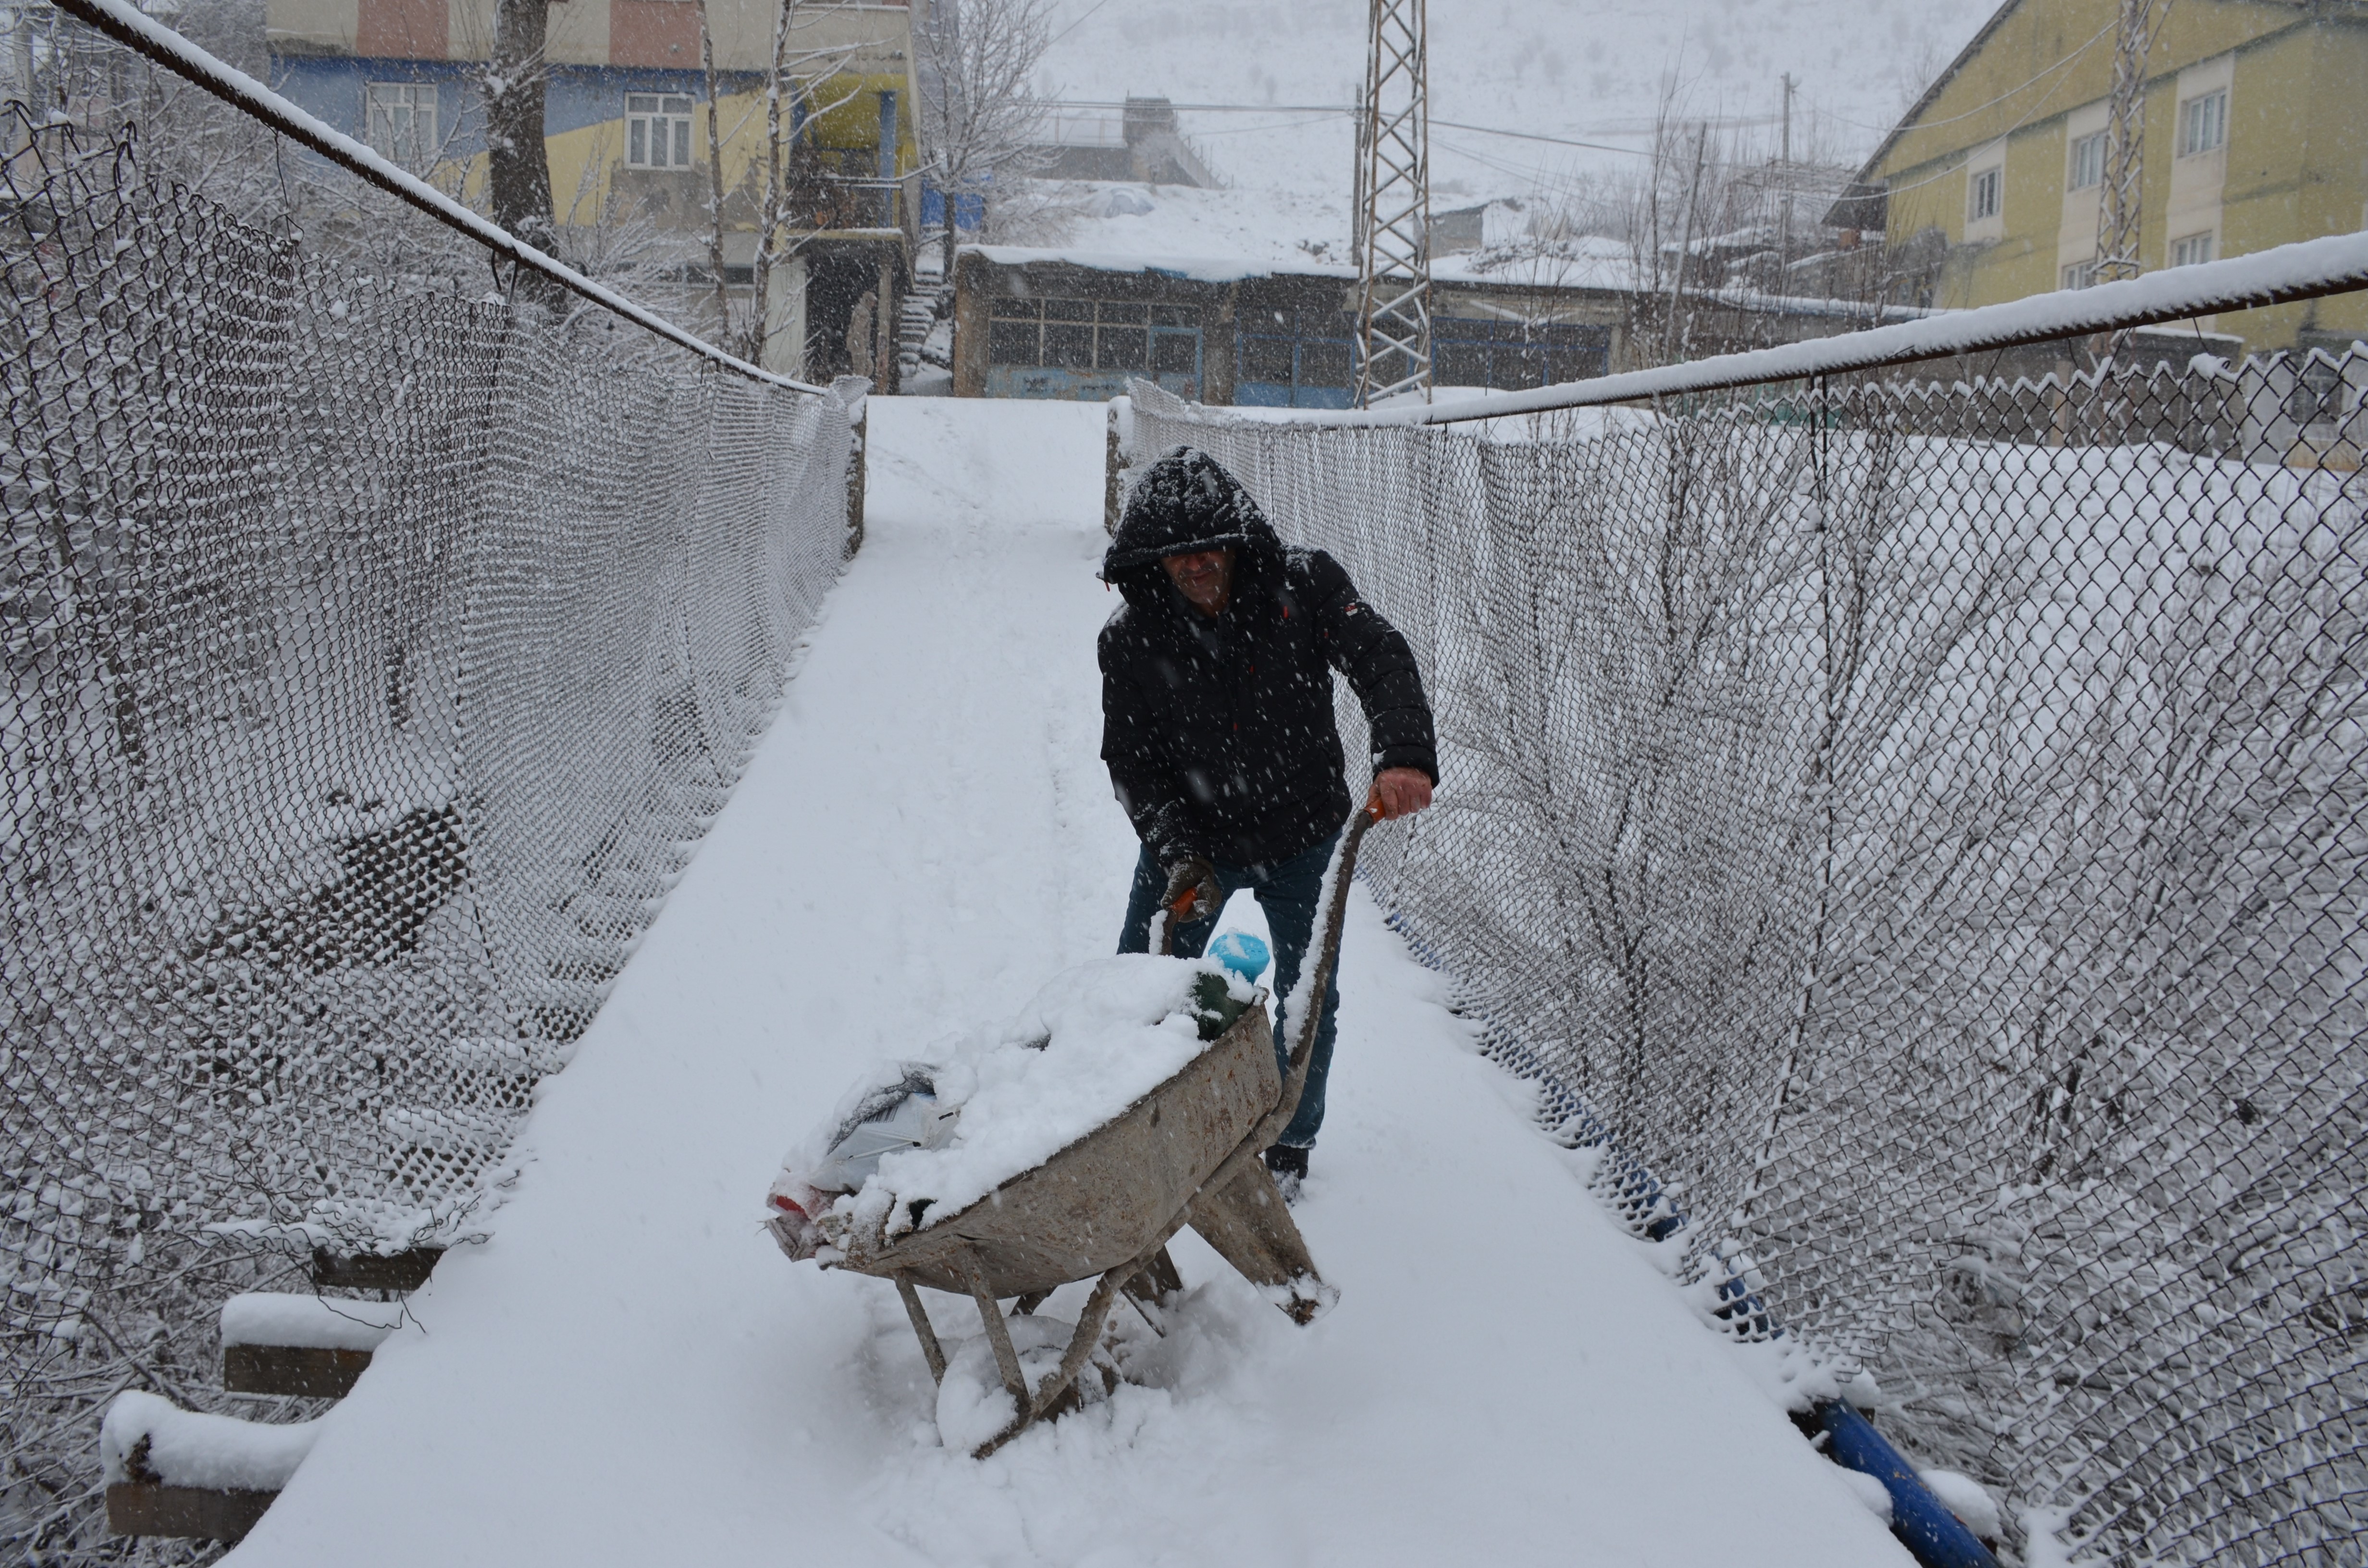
1099 331
418 99
2087 155
2190 114
658 112
1310 339
2205 240
1990 180
1516 355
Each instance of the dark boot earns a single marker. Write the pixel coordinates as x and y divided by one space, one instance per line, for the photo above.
1289 1166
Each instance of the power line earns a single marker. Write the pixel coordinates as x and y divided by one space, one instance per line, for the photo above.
1210 108
1993 103
1535 136
1281 125
1073 26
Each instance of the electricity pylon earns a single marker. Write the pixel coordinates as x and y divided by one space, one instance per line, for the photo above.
2118 203
1394 219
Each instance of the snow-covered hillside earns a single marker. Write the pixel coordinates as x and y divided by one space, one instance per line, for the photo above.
1579 70
1583 70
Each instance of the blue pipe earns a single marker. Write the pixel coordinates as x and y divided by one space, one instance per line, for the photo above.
1937 1536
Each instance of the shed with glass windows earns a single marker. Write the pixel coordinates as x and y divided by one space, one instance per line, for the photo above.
1057 325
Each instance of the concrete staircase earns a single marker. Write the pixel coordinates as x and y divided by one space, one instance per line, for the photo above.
916 312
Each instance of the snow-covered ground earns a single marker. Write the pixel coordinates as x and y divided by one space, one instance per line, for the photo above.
628 1373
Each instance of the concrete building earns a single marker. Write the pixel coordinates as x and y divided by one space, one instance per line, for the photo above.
626 117
1139 141
2256 135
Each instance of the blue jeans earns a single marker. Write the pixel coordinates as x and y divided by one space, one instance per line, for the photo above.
1287 890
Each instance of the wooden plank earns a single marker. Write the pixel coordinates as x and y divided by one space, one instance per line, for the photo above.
142 1507
374 1272
307 1371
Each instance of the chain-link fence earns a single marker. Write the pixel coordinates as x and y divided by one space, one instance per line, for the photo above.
374 656
1922 820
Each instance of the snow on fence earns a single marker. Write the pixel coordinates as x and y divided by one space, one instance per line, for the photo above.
1921 824
376 651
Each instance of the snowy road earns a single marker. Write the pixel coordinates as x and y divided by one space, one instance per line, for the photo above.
629 1373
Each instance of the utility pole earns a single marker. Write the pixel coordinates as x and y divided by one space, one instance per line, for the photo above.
1357 204
1784 189
1393 238
2118 203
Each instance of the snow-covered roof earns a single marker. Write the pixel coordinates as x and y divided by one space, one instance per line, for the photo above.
1195 270
1230 235
1275 228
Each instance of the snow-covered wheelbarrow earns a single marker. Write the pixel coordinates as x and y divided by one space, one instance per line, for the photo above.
1182 1148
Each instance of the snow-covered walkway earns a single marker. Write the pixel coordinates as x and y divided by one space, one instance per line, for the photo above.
627 1372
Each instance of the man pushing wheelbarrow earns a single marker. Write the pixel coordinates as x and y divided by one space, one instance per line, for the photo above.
1141 1093
1217 726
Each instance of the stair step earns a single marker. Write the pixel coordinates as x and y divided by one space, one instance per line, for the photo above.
191 1512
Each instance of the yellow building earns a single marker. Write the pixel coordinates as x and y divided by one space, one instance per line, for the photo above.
627 121
2256 135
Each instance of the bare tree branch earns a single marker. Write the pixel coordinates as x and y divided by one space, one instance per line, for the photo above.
982 116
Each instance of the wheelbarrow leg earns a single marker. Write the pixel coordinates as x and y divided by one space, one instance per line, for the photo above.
1007 1359
930 1350
1157 1279
1081 1350
1250 1227
1151 1287
1154 1283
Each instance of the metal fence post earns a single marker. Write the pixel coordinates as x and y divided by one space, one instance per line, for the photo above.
855 477
1114 465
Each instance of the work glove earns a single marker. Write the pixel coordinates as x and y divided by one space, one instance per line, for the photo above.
1192 891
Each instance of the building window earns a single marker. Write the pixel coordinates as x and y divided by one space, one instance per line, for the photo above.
657 132
1512 355
2087 162
401 122
1295 359
2204 124
2081 275
1112 338
1982 196
2192 251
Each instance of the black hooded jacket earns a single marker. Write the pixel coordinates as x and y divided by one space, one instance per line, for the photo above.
1219 731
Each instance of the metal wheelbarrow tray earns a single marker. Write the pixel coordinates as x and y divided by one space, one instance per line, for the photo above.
1104 1207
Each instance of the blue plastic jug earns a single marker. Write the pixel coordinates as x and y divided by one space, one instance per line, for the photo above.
1242 953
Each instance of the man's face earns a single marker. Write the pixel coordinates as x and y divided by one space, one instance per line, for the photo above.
1205 577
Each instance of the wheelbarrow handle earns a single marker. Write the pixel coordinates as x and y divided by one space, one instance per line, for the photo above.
1303 1051
1319 982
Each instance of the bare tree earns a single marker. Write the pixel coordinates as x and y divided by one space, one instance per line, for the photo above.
981 112
714 172
1726 234
789 179
517 161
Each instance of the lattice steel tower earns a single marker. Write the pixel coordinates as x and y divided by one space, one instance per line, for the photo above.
1393 216
2118 203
